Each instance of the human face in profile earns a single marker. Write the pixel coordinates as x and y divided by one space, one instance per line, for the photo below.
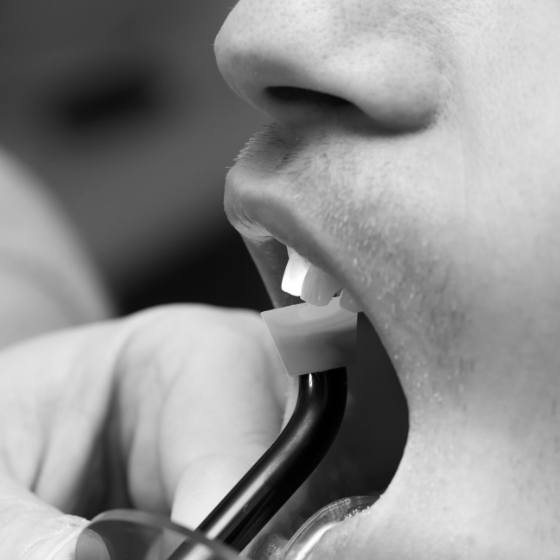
414 155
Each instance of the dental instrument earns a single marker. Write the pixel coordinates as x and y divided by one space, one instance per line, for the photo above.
308 338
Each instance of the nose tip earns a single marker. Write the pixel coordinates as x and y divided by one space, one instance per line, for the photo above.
296 65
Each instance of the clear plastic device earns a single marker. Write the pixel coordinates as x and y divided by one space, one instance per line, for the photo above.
309 534
135 535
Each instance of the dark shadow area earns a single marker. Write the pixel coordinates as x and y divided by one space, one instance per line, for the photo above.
107 97
220 274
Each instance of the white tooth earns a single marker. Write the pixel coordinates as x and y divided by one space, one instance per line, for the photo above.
348 302
295 273
305 280
319 287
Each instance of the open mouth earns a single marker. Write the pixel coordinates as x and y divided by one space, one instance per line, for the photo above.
313 285
295 264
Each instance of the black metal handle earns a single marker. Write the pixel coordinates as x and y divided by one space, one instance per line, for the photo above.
294 455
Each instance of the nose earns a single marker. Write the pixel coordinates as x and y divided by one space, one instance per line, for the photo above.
297 60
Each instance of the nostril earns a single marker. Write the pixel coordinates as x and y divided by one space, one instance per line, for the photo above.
293 105
298 105
301 96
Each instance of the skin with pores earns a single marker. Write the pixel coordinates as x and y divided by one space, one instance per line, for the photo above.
414 156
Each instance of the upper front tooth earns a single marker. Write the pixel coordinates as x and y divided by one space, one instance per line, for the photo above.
295 273
305 280
319 287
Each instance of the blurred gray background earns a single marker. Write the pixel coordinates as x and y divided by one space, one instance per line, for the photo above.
118 106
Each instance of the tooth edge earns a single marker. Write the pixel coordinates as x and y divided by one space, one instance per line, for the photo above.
348 302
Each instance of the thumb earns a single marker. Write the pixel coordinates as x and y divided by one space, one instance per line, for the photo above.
231 416
33 530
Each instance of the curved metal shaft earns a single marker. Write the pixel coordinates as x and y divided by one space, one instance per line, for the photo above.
299 448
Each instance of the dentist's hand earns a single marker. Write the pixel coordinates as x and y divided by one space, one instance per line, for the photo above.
172 405
163 411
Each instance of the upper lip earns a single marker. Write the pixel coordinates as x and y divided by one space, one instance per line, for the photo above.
260 208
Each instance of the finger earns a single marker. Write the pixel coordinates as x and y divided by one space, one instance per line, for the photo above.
56 397
234 416
56 394
55 401
32 530
219 410
58 419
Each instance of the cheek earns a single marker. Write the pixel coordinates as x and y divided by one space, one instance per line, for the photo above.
453 249
403 221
